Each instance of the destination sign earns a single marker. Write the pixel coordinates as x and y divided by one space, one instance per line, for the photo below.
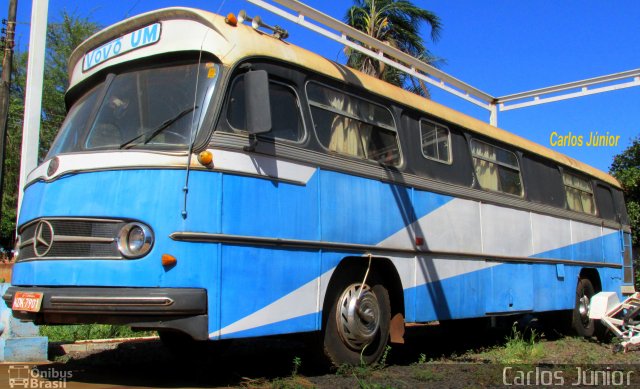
134 40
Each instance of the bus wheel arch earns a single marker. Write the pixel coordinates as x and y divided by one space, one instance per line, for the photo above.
345 334
592 275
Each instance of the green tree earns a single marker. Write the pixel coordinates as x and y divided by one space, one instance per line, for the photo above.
62 37
12 151
626 168
395 23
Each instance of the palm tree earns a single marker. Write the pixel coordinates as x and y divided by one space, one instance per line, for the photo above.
395 23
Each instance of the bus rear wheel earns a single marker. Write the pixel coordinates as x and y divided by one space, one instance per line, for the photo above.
580 322
356 328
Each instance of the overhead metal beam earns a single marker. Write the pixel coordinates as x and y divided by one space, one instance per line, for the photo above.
372 47
391 56
574 89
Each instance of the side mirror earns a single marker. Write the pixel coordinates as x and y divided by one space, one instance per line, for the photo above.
256 99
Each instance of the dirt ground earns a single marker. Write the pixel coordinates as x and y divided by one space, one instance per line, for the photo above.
431 357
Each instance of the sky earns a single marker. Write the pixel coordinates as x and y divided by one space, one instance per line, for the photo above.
498 46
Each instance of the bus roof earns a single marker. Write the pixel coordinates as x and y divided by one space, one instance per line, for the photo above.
243 41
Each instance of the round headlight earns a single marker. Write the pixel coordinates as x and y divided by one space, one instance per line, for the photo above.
135 240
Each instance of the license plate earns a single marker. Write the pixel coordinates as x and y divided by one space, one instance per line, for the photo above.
27 301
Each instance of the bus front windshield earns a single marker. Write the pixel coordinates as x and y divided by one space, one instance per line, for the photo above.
152 108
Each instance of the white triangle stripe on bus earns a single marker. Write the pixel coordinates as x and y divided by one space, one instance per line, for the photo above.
302 301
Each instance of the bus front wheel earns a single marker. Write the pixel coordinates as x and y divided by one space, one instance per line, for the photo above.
582 325
356 327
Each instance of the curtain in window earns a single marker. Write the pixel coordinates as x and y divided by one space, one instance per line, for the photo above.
587 203
345 135
486 171
573 199
579 194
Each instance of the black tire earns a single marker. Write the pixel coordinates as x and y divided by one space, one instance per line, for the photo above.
340 348
580 323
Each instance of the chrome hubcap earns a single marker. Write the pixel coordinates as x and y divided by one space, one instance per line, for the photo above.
358 316
583 308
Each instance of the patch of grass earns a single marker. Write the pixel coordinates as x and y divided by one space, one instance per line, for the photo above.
363 370
426 374
518 349
360 371
72 333
423 372
362 384
292 382
296 382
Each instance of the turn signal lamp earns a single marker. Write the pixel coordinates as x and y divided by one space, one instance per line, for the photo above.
205 158
231 20
168 260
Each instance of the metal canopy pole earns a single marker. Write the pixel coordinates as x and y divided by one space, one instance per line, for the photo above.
33 94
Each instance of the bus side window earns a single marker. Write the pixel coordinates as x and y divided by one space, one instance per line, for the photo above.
579 194
285 111
543 181
604 202
351 126
497 169
436 141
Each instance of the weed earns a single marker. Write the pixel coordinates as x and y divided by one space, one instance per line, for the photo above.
422 359
62 358
521 350
517 350
383 360
297 362
344 370
363 370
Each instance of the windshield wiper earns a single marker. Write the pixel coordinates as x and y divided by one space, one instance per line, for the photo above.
152 134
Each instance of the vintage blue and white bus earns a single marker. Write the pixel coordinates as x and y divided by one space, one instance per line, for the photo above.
216 181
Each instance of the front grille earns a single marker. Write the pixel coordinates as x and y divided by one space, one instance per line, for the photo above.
70 238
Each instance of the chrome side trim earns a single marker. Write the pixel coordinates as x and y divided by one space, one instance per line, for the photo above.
73 219
113 301
323 245
68 259
81 239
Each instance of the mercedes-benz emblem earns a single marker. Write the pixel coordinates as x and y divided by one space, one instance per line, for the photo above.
43 239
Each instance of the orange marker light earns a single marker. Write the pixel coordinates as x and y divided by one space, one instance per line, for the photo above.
205 158
168 260
231 20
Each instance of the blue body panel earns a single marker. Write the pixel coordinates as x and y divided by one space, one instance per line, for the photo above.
242 280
